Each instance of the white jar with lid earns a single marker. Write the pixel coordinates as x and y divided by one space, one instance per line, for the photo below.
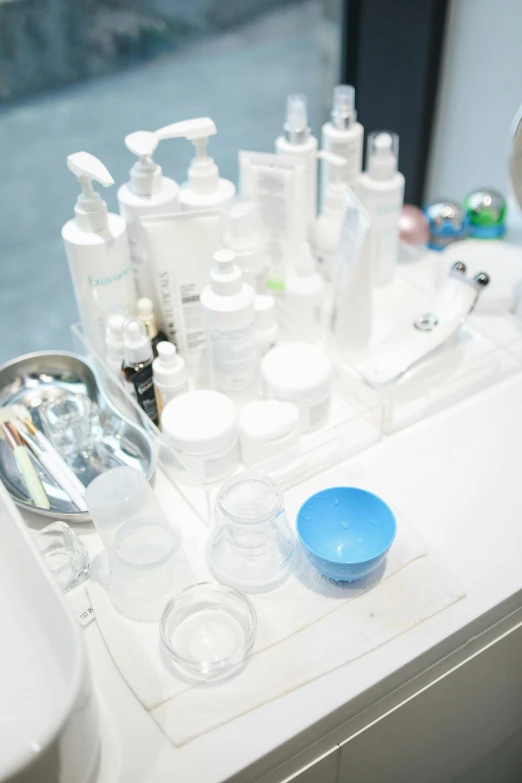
300 373
201 429
266 429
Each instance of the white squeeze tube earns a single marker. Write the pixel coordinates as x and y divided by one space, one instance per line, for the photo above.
204 188
147 192
351 316
277 185
98 253
181 247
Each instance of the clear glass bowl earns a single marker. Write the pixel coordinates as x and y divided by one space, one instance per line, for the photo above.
250 544
208 630
64 554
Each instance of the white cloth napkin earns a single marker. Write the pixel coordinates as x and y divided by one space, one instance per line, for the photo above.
306 627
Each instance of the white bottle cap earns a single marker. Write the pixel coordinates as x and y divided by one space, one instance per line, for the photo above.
343 107
145 176
382 154
200 422
114 338
136 344
90 210
264 309
168 367
296 125
225 275
297 371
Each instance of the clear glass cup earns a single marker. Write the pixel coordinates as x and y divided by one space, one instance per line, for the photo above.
71 423
208 630
250 544
145 553
64 554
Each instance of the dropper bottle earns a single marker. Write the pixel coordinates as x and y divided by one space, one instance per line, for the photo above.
137 367
381 190
147 315
98 253
204 188
114 345
298 141
146 193
343 136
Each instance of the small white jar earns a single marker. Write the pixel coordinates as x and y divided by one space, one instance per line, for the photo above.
201 429
300 373
267 428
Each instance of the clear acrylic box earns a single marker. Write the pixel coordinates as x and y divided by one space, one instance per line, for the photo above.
354 424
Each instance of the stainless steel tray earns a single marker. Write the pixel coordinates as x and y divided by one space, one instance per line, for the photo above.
36 378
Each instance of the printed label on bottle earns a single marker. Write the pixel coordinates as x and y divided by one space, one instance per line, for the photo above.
192 315
144 391
233 356
168 304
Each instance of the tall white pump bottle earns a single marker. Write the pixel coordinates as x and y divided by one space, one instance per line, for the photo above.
204 188
381 191
98 253
343 136
147 192
299 142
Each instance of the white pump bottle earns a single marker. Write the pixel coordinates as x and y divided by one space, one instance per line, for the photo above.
327 234
204 188
381 191
343 136
148 192
299 142
98 253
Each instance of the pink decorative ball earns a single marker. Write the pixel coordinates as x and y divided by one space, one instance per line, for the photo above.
413 226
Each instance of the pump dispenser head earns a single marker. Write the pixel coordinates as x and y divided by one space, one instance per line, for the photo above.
225 275
137 347
382 154
203 174
296 127
145 175
90 209
343 107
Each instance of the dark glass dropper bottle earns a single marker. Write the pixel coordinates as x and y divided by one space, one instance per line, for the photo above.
147 315
137 367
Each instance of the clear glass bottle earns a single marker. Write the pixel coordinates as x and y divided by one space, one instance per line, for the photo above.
250 544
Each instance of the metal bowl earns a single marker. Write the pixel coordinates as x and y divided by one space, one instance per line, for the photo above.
37 378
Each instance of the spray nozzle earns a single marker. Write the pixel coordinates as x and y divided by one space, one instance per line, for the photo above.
343 108
382 154
90 209
296 125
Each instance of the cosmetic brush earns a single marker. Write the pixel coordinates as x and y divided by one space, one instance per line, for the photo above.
49 457
26 467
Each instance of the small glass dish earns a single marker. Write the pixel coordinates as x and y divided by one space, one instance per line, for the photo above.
71 423
208 630
64 554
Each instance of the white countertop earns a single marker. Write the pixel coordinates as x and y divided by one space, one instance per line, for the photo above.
455 477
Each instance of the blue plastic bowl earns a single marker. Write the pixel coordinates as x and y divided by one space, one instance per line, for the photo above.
345 532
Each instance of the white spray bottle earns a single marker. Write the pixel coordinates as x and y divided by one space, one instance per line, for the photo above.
299 142
381 191
327 234
343 136
204 188
147 192
98 253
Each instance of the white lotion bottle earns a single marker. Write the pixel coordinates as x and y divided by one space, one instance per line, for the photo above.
327 234
204 188
303 298
244 237
381 191
298 141
169 374
98 253
228 311
147 192
343 136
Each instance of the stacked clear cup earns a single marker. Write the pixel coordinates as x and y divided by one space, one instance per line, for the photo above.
146 558
250 543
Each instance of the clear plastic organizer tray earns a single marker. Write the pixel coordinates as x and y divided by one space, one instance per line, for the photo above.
483 353
354 424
